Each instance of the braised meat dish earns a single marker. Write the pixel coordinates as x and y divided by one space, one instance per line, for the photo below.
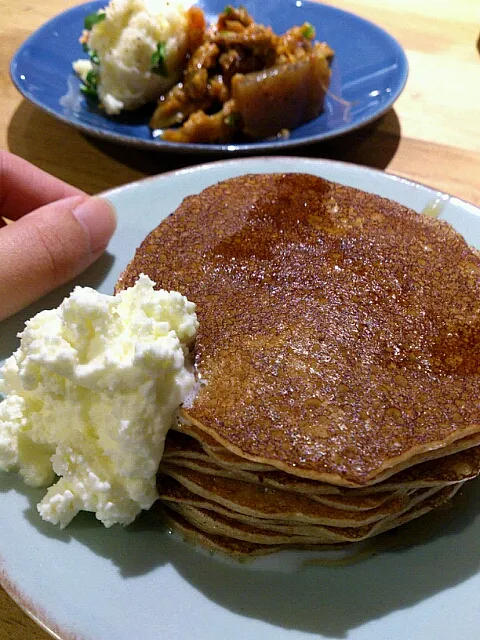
243 81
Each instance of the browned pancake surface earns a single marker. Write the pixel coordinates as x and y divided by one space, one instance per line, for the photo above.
339 331
254 499
241 548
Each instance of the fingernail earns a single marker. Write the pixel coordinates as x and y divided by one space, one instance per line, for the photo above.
97 216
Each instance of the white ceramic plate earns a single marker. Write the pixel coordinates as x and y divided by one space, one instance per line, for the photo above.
89 583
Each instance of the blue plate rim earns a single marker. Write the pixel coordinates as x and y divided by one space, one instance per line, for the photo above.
215 149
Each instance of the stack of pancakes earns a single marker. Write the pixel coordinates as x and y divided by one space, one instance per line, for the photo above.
338 359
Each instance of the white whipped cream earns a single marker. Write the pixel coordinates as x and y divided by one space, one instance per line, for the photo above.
89 397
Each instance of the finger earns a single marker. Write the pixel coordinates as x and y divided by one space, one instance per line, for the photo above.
49 247
24 187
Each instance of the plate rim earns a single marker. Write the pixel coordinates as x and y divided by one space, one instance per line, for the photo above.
216 149
357 168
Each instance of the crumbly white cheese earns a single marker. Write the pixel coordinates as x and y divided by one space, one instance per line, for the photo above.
89 397
125 42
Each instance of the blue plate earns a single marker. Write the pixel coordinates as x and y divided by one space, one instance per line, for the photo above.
368 73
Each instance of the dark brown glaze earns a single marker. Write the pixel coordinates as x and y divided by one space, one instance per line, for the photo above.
339 331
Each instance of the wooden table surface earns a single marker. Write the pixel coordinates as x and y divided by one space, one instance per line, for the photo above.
432 134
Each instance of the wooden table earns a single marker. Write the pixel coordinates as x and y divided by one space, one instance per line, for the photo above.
432 134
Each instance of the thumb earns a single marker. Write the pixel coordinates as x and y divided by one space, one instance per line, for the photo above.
50 246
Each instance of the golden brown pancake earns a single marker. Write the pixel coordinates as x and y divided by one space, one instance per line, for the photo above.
451 469
261 531
221 533
339 331
224 544
340 355
212 522
457 464
173 492
264 502
215 452
352 502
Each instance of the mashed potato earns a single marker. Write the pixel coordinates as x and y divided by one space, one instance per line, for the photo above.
136 51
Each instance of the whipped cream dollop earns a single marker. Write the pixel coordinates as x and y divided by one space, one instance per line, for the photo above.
90 395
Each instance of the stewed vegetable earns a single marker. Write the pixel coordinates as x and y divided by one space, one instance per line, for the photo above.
242 79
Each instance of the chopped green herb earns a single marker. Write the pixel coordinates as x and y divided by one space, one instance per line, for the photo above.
89 87
232 119
308 31
92 54
158 60
94 18
228 10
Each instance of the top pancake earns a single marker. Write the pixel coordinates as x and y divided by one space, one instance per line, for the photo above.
339 331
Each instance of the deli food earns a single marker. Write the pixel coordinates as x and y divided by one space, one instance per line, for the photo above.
243 79
124 42
338 344
234 80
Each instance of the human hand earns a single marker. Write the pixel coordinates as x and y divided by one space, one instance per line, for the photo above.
57 231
